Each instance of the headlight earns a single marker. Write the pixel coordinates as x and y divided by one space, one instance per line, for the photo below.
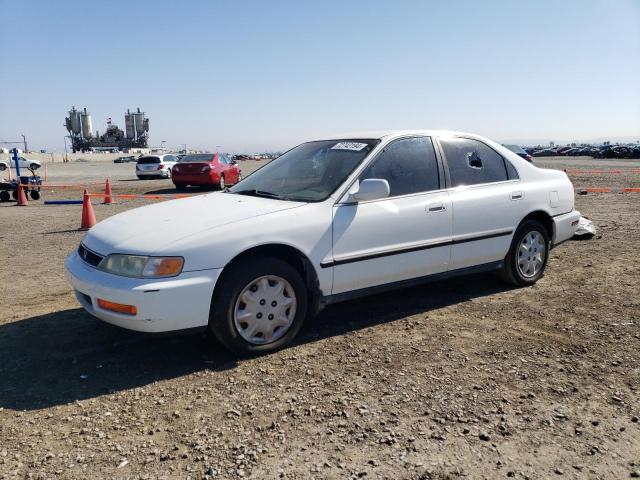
142 267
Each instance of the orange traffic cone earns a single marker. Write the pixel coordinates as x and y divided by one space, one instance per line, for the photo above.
88 217
107 193
22 198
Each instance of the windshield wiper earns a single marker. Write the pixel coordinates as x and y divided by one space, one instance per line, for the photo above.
260 193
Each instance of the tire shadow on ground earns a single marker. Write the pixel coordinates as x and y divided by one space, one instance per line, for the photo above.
65 356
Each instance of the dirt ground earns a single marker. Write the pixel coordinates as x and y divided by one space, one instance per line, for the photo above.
465 378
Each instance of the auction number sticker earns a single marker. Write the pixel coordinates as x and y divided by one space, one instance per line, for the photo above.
355 146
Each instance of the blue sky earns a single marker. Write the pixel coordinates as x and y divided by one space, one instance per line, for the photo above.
268 74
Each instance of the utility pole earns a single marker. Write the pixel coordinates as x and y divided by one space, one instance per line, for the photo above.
24 140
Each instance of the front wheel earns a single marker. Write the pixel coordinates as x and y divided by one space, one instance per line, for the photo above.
527 258
260 306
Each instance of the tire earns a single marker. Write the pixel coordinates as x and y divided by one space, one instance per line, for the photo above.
221 184
141 177
180 187
4 196
14 194
523 267
34 166
34 194
245 338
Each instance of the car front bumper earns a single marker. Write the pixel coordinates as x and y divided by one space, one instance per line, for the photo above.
163 305
564 226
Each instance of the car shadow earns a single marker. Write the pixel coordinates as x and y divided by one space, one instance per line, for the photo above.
61 357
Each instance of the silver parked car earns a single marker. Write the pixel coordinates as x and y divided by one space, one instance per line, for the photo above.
155 166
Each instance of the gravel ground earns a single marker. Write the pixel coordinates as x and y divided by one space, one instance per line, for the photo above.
464 378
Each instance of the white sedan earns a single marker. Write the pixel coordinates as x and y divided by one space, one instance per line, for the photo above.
327 221
22 162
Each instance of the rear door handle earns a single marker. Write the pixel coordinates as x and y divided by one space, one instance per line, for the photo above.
435 207
516 195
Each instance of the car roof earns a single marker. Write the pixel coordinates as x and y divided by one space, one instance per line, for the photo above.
386 134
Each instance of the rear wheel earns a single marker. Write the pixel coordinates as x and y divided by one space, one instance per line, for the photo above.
527 258
259 307
4 196
35 195
180 187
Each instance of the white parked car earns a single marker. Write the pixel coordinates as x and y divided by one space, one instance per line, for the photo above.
23 162
155 166
327 221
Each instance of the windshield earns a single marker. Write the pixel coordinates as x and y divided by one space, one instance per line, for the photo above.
148 160
197 158
309 172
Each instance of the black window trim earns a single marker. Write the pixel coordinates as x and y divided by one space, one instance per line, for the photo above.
448 172
373 156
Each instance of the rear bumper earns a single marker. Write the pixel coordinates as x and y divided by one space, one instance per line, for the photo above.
564 226
202 179
152 173
164 305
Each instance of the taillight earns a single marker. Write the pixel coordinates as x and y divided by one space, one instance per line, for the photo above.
161 166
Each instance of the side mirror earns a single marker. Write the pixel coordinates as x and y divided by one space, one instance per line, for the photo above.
370 189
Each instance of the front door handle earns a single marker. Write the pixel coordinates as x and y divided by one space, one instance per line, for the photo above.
435 207
516 195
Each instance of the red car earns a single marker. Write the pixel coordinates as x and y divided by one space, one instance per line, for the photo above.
205 170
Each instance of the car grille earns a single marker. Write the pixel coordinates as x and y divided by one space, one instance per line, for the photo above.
88 256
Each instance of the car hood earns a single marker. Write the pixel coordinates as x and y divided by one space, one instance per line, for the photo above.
149 229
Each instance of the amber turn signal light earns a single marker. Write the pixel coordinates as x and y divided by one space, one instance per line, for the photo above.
117 307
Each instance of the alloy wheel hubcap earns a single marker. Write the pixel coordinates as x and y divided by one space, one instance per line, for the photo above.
531 254
265 310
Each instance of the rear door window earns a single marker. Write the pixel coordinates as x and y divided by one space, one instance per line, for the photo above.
472 162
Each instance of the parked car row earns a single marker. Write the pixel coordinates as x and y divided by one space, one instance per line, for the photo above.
602 151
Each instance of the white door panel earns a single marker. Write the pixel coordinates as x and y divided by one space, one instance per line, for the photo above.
489 214
389 240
